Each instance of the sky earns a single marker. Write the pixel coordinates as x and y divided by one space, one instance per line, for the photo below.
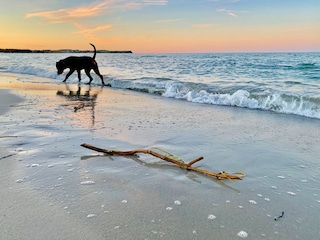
162 26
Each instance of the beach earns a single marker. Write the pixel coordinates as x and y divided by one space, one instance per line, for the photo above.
52 188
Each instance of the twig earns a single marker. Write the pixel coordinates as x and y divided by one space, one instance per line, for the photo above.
8 136
220 176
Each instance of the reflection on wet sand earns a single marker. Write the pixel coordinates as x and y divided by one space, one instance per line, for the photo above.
81 98
158 164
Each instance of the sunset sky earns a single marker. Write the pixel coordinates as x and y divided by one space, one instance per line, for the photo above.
162 26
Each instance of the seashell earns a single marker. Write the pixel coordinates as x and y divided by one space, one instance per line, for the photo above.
177 202
87 182
242 234
292 193
253 202
211 217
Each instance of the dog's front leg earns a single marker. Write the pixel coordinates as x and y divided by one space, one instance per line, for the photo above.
79 74
68 75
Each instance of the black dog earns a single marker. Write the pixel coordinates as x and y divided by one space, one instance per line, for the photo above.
78 63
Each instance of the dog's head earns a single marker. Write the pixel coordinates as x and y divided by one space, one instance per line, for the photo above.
61 65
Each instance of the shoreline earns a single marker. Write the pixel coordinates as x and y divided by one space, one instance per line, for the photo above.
109 197
7 100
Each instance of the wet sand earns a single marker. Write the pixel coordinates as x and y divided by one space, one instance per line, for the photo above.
53 187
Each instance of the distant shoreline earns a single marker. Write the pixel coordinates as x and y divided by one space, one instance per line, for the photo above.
13 50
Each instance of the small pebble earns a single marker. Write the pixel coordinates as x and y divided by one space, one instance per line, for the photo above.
242 234
91 215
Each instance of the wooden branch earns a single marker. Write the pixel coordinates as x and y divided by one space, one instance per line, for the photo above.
8 136
220 176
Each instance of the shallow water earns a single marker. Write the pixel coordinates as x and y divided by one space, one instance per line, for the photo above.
280 82
143 198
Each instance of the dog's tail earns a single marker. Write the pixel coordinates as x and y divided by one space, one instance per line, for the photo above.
95 51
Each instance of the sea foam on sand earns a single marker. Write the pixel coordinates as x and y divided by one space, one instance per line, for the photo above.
161 201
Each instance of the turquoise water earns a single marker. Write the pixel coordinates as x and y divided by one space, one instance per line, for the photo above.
281 82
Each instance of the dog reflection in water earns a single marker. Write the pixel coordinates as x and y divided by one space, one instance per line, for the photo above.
80 98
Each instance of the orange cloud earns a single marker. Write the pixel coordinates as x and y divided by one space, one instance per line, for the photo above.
65 15
92 10
84 30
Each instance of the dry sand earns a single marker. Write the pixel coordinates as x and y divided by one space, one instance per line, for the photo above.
54 189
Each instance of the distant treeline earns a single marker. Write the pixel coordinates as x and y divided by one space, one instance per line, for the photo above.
12 50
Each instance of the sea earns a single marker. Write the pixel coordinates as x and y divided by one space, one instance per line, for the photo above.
287 83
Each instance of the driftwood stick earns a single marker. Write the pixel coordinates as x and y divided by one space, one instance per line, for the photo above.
8 136
220 176
132 152
194 161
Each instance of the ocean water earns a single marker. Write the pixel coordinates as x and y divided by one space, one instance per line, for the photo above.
286 83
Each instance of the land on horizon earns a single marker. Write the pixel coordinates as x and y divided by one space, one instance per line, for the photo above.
16 50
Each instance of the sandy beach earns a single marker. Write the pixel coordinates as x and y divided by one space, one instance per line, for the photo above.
52 188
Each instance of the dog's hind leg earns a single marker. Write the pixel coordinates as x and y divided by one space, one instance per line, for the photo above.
96 70
88 74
